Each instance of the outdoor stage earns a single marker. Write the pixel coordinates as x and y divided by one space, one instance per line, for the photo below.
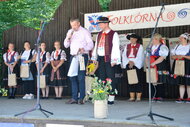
83 114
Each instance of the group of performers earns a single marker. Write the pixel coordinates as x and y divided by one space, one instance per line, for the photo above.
51 65
106 54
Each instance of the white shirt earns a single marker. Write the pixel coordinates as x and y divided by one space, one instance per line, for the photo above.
9 56
163 50
26 54
63 55
180 50
42 55
101 48
80 39
138 61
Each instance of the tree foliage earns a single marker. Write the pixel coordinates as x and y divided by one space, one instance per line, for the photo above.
104 4
28 13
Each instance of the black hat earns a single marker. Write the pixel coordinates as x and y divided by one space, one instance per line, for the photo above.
103 20
139 39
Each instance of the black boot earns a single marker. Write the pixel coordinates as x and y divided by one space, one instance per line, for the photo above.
13 93
111 99
10 92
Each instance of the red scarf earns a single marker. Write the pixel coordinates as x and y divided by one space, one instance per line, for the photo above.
134 48
57 53
42 53
9 53
102 40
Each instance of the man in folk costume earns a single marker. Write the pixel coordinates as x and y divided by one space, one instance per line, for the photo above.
80 42
107 54
133 58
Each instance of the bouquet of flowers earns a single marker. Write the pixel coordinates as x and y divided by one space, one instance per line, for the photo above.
101 89
3 91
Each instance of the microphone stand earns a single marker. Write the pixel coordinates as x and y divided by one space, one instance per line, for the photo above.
38 105
148 49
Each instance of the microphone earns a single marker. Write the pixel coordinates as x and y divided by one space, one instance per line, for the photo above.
71 34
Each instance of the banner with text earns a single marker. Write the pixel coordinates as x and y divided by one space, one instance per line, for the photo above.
139 18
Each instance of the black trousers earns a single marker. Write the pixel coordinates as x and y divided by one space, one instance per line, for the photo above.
157 90
106 71
28 86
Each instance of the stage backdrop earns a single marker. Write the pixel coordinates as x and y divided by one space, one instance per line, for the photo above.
172 15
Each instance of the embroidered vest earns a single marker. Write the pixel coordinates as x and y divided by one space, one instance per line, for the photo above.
12 60
135 50
59 56
44 57
156 53
108 44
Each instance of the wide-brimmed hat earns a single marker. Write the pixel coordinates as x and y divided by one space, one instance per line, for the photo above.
133 35
103 20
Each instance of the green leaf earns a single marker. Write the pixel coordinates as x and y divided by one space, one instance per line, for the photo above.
104 4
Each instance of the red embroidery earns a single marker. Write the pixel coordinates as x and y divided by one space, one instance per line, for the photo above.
179 59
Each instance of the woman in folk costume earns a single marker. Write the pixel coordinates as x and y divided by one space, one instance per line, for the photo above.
57 79
107 54
28 58
182 52
159 61
11 67
44 68
133 58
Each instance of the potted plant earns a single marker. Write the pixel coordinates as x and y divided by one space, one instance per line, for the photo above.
100 92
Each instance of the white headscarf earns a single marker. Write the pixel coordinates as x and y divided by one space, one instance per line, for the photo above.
186 36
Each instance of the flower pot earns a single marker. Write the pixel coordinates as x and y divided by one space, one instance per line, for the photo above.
100 109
